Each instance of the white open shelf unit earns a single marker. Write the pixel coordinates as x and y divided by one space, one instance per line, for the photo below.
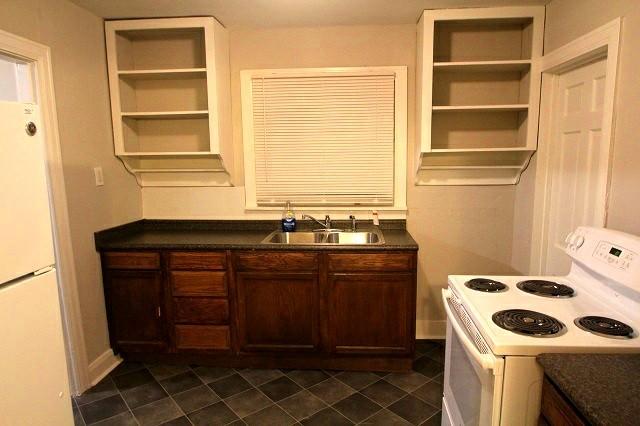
170 100
478 94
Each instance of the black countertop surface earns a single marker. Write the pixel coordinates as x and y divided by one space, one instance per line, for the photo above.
234 234
605 388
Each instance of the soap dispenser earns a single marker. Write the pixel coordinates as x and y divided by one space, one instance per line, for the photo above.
288 219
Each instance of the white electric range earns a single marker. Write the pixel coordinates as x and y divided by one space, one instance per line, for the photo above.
497 325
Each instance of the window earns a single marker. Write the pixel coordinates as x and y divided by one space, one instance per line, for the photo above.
329 137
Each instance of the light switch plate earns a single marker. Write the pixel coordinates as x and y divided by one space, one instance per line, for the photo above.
97 173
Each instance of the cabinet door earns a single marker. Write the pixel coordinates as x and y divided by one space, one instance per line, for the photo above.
135 314
278 311
372 313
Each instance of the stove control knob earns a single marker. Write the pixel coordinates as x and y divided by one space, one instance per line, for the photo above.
579 241
569 238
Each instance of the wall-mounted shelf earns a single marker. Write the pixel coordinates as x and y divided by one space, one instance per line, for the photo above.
454 108
163 73
165 114
478 89
170 100
482 66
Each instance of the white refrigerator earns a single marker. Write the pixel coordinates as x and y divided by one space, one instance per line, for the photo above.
34 385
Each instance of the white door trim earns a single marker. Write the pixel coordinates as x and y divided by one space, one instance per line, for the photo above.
602 42
40 56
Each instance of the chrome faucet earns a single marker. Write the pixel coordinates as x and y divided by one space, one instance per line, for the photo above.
353 223
326 224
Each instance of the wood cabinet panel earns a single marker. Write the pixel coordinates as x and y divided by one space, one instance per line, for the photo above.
278 311
198 283
383 262
197 260
200 310
134 309
131 260
372 313
556 410
202 337
275 261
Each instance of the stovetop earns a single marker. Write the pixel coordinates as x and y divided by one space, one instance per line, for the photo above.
482 306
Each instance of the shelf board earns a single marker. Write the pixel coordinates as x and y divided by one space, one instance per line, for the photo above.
483 66
165 114
469 167
158 74
177 170
453 150
167 154
462 108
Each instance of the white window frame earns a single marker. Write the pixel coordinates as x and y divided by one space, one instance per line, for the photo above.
400 142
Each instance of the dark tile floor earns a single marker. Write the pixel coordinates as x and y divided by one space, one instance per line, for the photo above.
139 394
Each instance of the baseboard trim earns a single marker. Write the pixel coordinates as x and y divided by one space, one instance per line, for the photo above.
430 329
102 366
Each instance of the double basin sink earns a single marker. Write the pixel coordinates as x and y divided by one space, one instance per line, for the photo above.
335 237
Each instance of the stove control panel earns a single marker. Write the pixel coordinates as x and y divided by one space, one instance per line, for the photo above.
614 255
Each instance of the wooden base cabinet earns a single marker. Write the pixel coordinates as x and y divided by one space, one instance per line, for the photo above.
134 305
368 313
254 308
278 311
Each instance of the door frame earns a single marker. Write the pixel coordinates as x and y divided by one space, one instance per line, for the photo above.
40 57
600 43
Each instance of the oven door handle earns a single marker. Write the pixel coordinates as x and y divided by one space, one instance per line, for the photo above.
486 361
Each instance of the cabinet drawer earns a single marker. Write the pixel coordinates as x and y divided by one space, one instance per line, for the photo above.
200 310
211 337
131 260
197 260
383 262
270 261
198 283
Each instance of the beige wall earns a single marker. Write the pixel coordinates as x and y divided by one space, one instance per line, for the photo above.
460 230
569 19
76 39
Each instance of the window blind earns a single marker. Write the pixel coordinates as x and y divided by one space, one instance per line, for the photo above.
324 140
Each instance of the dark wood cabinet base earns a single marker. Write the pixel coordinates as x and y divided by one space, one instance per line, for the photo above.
313 361
264 309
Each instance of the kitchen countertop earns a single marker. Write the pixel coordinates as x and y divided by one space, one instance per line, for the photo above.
605 388
234 234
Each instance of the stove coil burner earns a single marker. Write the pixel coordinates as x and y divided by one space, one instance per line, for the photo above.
605 327
546 288
486 285
528 323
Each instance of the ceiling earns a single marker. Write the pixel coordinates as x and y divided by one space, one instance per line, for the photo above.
287 13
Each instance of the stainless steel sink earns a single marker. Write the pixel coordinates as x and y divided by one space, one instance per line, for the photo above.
325 238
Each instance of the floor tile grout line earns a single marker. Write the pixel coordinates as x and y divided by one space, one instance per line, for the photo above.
99 399
313 395
127 404
276 404
110 417
240 393
171 396
432 416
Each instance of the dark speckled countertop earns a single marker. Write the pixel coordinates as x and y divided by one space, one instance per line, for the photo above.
233 234
605 388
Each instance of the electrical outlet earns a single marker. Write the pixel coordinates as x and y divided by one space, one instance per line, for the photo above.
97 173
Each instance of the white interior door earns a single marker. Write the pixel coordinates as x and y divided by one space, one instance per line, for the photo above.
25 222
577 177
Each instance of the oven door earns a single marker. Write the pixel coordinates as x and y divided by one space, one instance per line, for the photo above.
472 375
